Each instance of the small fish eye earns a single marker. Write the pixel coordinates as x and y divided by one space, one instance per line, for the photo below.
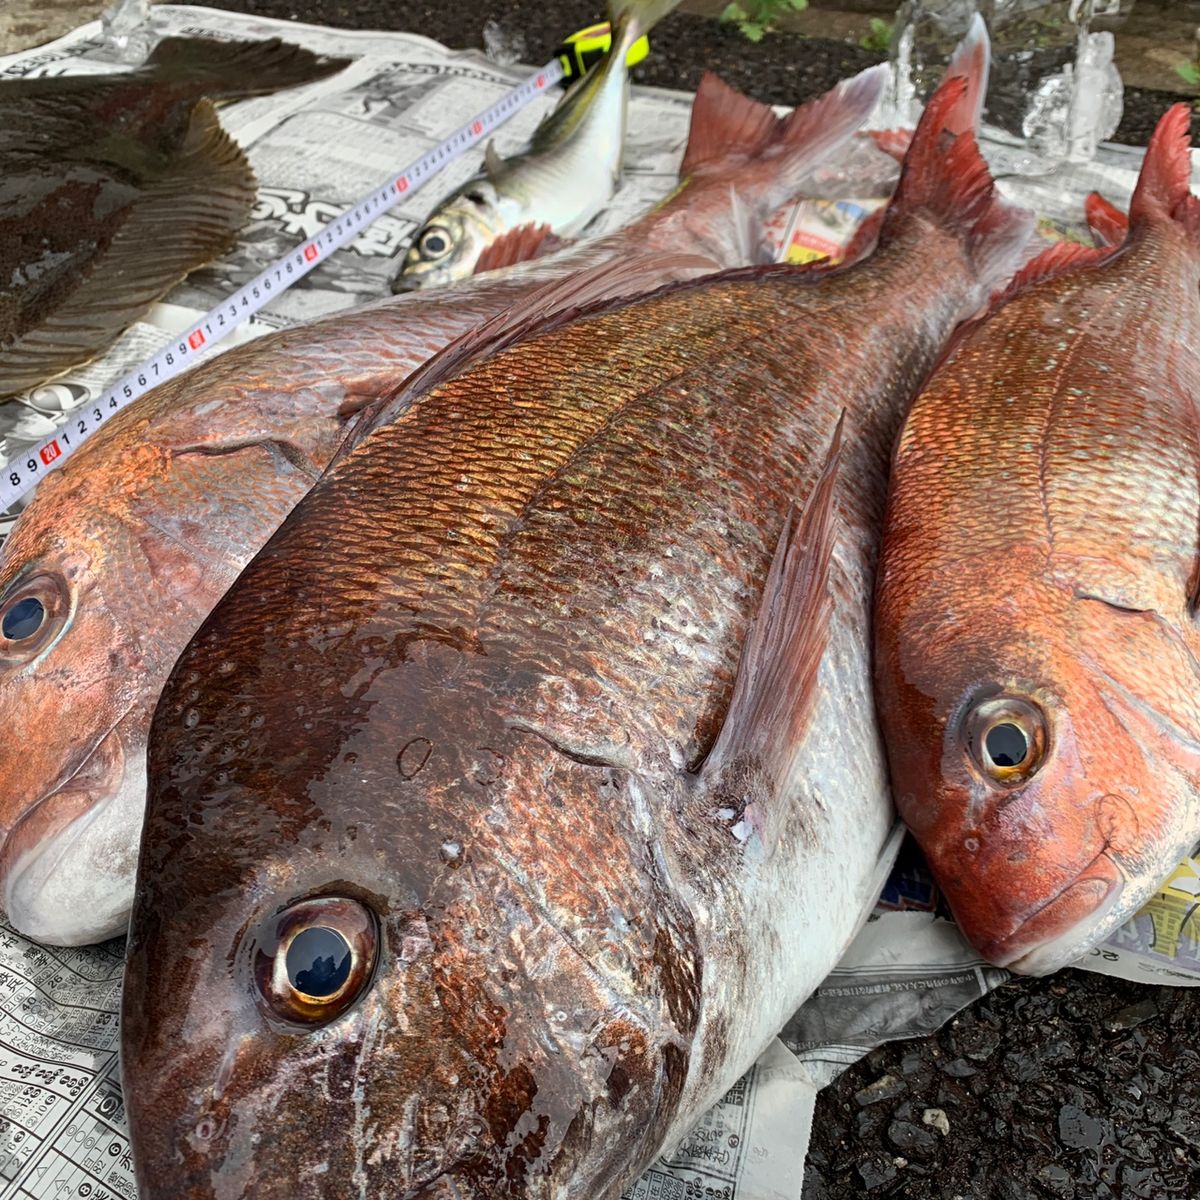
434 243
314 960
32 616
477 198
23 619
1007 738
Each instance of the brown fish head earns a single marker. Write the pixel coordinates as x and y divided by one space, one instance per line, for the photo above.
1043 751
387 941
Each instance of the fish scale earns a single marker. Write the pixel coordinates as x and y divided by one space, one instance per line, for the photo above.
1041 551
474 724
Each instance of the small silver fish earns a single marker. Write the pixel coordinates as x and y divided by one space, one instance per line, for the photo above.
563 180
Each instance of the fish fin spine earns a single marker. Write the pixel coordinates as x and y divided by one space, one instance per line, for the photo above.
776 685
945 177
1055 260
632 18
522 244
1164 186
729 129
1109 225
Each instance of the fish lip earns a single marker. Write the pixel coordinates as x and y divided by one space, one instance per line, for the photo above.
1014 950
54 812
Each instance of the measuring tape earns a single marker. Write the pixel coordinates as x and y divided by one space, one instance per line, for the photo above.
22 474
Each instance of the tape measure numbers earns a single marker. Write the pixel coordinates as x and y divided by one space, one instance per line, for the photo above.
22 473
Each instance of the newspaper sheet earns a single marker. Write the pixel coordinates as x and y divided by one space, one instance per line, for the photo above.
315 150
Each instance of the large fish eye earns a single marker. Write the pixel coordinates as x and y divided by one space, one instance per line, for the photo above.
1007 738
31 617
313 960
434 243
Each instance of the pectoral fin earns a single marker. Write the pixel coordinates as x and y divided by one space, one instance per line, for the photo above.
776 684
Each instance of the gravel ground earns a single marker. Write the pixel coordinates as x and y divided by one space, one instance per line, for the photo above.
1076 1086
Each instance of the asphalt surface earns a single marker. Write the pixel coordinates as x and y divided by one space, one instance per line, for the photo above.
1075 1087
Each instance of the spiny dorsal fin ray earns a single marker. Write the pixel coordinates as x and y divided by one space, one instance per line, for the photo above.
558 301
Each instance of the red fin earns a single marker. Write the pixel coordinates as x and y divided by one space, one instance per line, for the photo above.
1055 260
728 128
945 177
518 245
893 142
777 678
558 300
1109 225
972 61
1163 188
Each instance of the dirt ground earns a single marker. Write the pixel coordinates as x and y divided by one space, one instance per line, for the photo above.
1075 1086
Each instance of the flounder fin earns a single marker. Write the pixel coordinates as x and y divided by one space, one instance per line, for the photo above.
557 301
1109 225
239 68
945 177
729 129
776 682
182 218
519 245
1163 189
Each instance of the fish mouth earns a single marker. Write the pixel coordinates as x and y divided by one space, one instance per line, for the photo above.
1066 926
38 846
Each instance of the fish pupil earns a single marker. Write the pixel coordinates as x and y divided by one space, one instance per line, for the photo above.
1007 744
319 961
24 619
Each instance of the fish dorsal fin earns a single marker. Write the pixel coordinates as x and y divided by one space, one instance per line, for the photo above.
558 301
1163 189
776 682
518 245
1109 225
493 164
1059 259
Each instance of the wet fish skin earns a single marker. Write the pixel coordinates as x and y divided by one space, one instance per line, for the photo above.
1038 571
600 884
563 180
114 187
141 538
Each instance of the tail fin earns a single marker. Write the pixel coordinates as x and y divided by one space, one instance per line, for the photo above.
972 61
945 178
1163 189
766 157
228 69
632 18
1109 225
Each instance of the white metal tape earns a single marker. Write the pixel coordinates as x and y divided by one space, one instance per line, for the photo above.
22 473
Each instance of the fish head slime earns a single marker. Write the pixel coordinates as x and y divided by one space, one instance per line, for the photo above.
412 957
71 792
1036 785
